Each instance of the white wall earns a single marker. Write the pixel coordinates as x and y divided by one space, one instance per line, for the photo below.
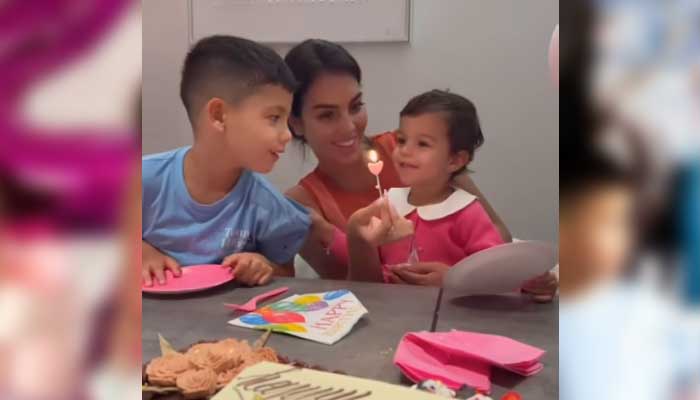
493 52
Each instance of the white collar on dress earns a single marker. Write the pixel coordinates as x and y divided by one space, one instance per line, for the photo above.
398 197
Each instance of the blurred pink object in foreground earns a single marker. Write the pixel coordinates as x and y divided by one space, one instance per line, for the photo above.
554 56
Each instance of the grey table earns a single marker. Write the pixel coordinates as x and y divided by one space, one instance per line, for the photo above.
367 351
516 317
369 348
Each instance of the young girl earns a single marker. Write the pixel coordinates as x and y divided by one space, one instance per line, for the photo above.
436 140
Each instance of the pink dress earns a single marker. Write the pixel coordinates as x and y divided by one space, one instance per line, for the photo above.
446 232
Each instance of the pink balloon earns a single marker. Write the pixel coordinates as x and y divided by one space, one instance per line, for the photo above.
554 56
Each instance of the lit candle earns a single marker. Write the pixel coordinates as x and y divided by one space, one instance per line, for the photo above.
375 166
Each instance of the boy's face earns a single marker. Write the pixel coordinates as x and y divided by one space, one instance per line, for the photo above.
422 154
595 234
255 129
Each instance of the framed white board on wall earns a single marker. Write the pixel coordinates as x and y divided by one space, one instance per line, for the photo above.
291 21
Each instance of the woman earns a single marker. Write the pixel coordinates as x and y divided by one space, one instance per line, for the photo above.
328 115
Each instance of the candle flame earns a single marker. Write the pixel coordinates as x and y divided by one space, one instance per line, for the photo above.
373 156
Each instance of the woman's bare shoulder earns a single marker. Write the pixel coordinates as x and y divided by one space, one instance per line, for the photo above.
301 195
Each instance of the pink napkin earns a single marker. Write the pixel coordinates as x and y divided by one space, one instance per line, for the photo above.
459 358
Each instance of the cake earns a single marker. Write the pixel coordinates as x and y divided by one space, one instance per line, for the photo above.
204 368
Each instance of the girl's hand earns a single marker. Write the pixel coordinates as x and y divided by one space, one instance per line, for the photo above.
424 274
250 268
542 288
392 277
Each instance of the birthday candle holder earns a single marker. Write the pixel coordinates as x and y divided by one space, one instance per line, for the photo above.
375 166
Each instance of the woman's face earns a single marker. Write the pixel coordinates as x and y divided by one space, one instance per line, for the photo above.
333 119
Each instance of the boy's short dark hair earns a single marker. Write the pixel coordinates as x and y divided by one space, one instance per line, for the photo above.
594 171
585 162
230 68
463 128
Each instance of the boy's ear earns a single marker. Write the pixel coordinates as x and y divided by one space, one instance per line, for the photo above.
215 113
458 160
295 124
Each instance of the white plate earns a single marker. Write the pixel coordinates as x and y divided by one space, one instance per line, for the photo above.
502 268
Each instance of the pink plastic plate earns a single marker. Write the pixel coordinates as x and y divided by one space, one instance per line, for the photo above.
193 279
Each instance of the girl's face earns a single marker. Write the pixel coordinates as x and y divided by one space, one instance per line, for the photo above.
422 155
333 119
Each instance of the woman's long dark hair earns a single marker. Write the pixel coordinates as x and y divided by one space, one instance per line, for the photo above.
312 58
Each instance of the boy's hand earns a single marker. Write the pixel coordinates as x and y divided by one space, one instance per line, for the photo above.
154 263
250 268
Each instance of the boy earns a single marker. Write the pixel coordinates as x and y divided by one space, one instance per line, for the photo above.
205 204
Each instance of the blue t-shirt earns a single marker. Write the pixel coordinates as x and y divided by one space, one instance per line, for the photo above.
253 217
616 343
